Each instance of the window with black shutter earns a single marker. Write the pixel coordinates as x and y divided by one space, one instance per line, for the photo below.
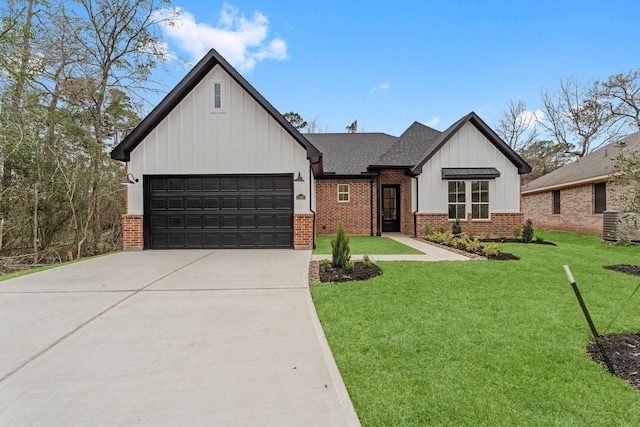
599 197
556 202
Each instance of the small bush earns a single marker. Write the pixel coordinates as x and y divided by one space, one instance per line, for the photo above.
441 229
326 264
471 235
427 228
459 243
340 248
349 266
517 232
475 246
456 229
487 236
501 237
366 261
527 231
491 250
539 239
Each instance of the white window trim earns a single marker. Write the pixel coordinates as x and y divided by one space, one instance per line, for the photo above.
480 203
223 99
468 204
348 193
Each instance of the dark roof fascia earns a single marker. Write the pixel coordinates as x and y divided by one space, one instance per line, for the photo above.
470 173
380 167
346 176
473 118
123 150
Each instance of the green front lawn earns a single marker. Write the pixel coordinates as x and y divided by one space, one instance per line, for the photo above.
485 342
367 245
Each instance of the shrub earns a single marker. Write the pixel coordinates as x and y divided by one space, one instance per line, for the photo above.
487 236
340 248
326 264
471 235
427 228
349 266
517 232
475 246
527 231
456 229
459 243
539 239
441 229
491 250
366 261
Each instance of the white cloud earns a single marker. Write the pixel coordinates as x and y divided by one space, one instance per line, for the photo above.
530 119
242 41
433 122
382 86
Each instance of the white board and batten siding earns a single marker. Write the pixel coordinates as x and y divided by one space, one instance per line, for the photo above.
238 138
469 148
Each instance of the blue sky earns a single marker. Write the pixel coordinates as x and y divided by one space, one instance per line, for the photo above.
388 65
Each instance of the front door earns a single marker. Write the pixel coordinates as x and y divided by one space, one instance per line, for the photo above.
390 208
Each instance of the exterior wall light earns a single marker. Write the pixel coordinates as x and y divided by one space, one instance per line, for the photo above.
129 179
299 178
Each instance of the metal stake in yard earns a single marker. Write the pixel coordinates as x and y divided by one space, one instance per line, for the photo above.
596 336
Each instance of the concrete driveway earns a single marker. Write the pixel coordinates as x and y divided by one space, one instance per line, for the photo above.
168 338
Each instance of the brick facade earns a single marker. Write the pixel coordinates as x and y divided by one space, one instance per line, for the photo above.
355 215
576 208
500 224
303 231
132 235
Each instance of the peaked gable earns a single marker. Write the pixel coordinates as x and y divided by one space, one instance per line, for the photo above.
473 119
123 150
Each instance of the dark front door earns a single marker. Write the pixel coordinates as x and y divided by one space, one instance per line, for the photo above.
390 208
218 211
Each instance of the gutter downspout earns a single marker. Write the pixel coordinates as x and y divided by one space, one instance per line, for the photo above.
313 227
415 218
379 221
371 207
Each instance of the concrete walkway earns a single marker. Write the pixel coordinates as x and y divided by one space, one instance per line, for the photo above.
168 338
430 252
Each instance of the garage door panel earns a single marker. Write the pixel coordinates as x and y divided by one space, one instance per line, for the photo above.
219 211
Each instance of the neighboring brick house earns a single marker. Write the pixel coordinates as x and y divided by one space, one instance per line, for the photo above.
574 197
215 165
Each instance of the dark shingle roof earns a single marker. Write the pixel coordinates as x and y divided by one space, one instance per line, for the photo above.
593 166
350 153
410 146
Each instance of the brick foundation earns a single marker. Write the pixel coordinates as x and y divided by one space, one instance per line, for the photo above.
303 231
500 224
132 236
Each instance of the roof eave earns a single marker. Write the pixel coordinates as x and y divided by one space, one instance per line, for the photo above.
594 179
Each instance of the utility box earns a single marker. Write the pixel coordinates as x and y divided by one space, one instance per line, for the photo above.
620 225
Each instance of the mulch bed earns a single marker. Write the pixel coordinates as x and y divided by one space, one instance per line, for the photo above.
625 268
504 256
623 351
317 274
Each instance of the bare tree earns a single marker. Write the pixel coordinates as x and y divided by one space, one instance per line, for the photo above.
518 127
578 116
623 92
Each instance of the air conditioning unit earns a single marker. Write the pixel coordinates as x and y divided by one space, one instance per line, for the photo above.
619 225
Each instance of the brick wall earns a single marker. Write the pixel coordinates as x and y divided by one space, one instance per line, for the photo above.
576 209
303 231
132 236
355 215
398 177
500 224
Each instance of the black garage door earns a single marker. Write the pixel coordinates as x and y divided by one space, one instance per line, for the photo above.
218 211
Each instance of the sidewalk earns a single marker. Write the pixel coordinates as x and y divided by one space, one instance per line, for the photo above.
430 252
